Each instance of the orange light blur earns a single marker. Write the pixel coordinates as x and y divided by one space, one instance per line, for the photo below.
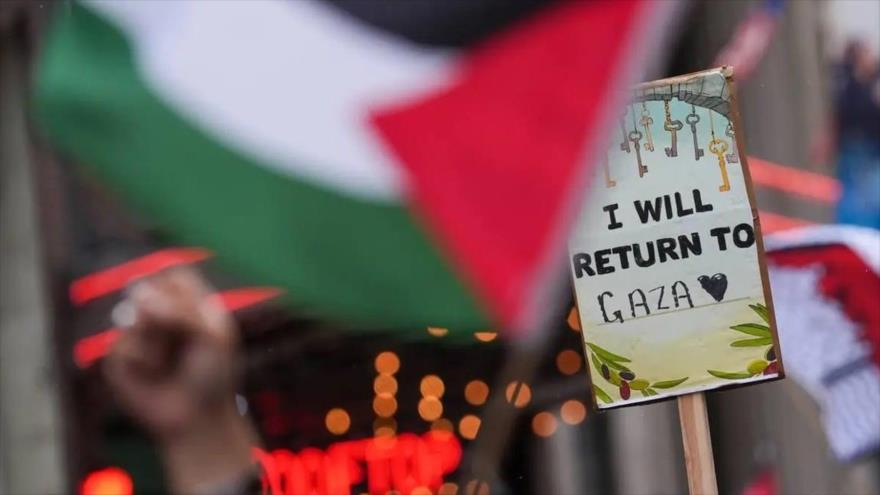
574 320
568 362
386 425
387 362
448 489
485 336
518 393
573 412
476 392
385 384
430 408
337 421
442 425
469 426
432 386
543 424
476 487
384 405
438 331
107 481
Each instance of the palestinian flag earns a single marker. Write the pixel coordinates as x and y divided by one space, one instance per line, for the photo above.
391 164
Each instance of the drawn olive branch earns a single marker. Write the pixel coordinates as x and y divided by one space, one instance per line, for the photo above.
612 369
762 336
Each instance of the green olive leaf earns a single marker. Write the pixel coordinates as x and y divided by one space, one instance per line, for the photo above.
755 329
613 365
602 395
752 342
596 363
607 355
762 311
669 383
639 384
651 391
613 379
728 375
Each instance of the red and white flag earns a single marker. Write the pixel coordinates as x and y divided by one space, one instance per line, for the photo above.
826 291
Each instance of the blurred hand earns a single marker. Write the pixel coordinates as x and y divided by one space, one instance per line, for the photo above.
177 363
175 370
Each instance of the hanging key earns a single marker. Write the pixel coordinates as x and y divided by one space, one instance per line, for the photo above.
718 147
672 126
609 182
731 157
646 122
636 136
624 145
692 120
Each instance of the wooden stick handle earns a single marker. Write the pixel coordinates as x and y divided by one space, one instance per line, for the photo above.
697 444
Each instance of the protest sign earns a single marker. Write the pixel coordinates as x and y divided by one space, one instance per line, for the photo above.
666 257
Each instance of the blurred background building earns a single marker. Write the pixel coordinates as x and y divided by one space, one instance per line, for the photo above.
309 385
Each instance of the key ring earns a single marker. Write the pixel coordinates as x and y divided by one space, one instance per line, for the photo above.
713 146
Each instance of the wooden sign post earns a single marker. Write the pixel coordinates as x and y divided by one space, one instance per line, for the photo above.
667 261
698 459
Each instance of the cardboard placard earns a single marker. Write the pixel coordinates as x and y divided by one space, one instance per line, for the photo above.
667 258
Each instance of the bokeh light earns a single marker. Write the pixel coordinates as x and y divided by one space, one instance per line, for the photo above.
476 392
518 393
438 331
574 320
448 489
543 424
476 487
387 362
421 490
442 425
384 405
385 384
568 362
108 481
337 421
573 412
430 408
469 426
485 336
384 427
432 386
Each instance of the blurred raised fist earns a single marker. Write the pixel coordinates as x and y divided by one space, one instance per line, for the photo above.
177 363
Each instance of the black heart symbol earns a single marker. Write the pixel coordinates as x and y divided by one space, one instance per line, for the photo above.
716 285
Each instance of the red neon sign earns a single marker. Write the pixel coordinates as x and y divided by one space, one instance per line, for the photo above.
402 464
108 481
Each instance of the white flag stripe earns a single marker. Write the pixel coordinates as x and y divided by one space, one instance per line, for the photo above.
287 83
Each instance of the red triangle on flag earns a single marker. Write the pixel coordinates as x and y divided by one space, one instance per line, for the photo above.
497 160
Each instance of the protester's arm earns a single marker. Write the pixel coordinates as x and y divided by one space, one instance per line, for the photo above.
175 370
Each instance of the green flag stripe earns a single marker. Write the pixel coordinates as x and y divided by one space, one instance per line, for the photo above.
349 259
